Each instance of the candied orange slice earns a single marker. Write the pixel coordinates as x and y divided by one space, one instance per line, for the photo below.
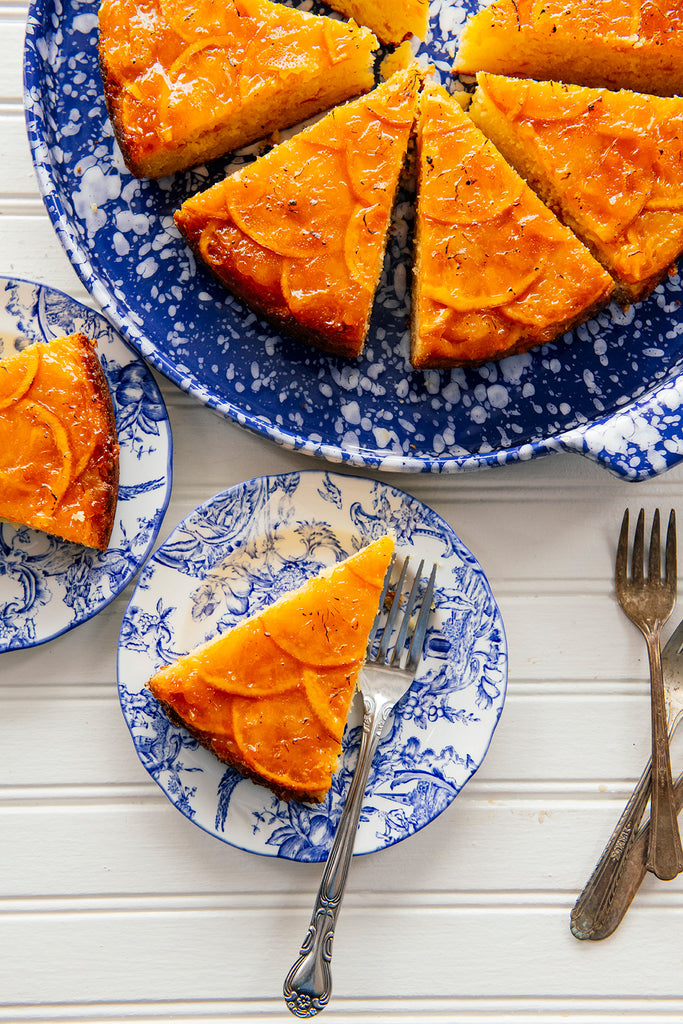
462 297
330 624
329 692
249 663
271 696
284 742
250 259
58 450
39 435
483 194
17 375
362 257
282 211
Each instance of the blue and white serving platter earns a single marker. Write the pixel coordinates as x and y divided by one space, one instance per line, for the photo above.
612 390
48 586
237 553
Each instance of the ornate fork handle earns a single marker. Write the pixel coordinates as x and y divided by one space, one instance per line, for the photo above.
664 853
308 985
593 905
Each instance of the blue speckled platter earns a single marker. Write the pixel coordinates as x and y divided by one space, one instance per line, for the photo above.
611 390
237 553
47 585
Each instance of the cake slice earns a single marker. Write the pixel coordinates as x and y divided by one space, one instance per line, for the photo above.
616 44
495 272
610 164
300 233
189 80
271 696
58 450
391 21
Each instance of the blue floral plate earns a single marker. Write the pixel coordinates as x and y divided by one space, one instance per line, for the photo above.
48 586
612 390
235 554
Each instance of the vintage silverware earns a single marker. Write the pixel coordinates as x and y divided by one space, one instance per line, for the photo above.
610 889
648 602
632 875
385 677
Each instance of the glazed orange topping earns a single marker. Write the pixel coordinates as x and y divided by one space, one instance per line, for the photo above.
183 67
623 19
614 159
496 269
301 232
58 453
272 695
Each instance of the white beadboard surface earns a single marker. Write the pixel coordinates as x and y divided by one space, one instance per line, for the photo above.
113 907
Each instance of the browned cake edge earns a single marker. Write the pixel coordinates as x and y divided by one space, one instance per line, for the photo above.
245 770
104 522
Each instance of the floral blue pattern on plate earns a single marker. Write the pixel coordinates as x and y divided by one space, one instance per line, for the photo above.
237 553
612 390
48 586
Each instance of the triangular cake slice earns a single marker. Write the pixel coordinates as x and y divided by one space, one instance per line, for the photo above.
495 272
300 233
59 457
189 81
391 21
271 696
617 44
610 164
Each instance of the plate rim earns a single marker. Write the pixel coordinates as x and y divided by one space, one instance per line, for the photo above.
121 584
142 584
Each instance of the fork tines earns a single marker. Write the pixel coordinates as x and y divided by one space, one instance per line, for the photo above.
393 650
654 561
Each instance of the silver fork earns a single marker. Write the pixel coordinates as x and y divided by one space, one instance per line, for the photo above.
385 677
617 875
648 602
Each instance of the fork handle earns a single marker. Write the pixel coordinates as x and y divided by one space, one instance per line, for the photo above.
664 851
308 985
593 905
632 876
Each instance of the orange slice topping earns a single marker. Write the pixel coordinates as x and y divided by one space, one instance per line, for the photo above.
250 663
40 438
282 740
17 375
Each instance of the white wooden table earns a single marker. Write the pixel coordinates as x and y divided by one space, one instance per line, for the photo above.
114 907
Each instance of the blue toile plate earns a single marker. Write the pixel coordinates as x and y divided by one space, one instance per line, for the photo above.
612 390
235 554
48 586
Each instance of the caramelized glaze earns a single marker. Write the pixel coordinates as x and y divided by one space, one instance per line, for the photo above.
612 163
631 44
272 695
495 271
58 450
300 233
176 72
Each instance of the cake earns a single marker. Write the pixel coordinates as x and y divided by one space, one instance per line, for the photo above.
186 82
495 272
271 696
610 164
391 21
58 448
602 43
300 233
